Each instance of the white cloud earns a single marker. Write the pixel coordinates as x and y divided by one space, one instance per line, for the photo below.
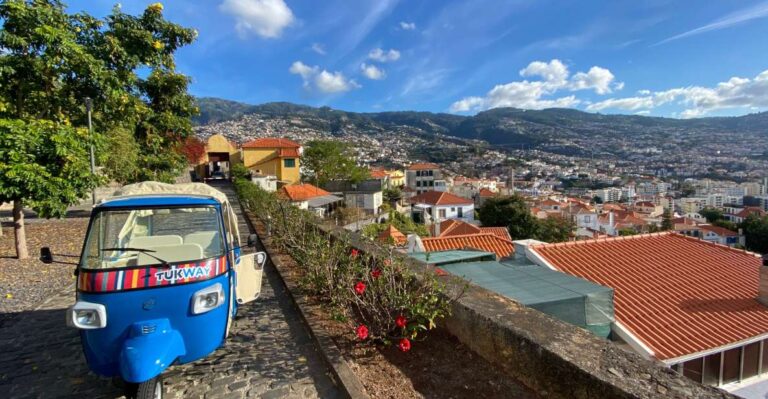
302 69
738 17
380 55
322 80
407 25
266 18
643 92
554 77
372 72
597 78
736 92
318 48
553 72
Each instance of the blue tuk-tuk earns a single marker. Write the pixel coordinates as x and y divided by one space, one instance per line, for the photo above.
159 280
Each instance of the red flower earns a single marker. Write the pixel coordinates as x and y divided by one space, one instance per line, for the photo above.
360 288
362 332
354 253
404 345
375 273
401 321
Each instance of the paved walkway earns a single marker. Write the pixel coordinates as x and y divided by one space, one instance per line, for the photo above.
269 354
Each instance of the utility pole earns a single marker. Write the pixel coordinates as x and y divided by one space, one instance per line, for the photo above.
88 108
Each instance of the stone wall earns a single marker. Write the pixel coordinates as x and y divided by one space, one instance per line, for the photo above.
554 358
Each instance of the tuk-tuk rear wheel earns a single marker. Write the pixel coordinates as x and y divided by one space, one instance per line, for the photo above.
152 389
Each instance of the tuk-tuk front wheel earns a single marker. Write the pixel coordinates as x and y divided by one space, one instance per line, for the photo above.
152 389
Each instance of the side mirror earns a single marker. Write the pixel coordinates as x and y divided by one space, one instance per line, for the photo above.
252 239
45 255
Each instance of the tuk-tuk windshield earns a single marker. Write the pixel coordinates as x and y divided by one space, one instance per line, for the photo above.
170 235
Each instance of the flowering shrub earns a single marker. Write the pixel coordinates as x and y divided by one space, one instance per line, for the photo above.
391 304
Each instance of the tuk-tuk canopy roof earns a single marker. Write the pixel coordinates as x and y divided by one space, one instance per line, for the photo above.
157 188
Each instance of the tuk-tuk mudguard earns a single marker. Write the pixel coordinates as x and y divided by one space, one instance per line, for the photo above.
152 347
199 334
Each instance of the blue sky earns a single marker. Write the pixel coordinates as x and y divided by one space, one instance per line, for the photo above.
655 57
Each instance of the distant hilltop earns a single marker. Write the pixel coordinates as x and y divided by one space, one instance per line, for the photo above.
512 127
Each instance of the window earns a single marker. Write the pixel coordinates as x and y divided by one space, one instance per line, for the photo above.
751 360
731 365
431 183
418 173
692 369
441 212
587 219
289 162
461 212
712 369
453 209
172 234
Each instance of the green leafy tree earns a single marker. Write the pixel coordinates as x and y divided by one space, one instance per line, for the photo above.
712 214
45 166
326 160
627 232
50 61
666 220
597 200
511 212
554 229
756 233
392 195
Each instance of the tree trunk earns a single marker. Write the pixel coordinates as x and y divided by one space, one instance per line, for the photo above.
18 230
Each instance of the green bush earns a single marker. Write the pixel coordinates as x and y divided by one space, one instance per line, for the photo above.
392 304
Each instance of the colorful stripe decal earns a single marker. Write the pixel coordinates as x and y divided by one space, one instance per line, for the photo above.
150 276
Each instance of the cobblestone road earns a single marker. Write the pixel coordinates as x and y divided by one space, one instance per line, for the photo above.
269 354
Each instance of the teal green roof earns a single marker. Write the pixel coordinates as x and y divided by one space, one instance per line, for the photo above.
448 257
571 299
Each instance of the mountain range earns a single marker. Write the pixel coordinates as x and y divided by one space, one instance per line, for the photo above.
561 130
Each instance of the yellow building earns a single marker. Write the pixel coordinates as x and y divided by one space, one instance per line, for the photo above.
273 156
396 178
220 153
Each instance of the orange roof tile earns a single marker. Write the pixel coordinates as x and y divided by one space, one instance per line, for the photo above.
501 232
485 242
271 142
423 166
378 173
302 192
440 198
392 234
677 294
750 210
721 231
484 192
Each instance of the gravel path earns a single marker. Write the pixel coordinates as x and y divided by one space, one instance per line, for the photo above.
25 284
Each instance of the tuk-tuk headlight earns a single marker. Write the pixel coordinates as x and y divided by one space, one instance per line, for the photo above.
87 315
207 299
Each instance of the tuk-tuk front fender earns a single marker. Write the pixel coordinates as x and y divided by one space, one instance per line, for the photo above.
151 347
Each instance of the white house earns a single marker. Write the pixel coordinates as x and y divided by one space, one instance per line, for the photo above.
435 206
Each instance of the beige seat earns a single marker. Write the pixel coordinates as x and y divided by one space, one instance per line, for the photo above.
171 254
146 241
205 239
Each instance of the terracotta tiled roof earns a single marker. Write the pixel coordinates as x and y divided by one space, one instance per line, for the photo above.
501 232
378 173
721 231
486 242
271 142
440 198
288 153
392 234
484 192
302 192
613 207
423 166
549 202
750 210
677 294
